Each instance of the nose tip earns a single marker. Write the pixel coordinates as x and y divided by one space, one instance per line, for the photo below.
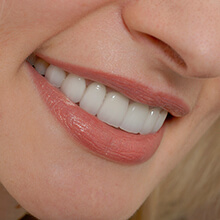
182 27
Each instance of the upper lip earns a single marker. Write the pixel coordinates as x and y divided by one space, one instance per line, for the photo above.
134 90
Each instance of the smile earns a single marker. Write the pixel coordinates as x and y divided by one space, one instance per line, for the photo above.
107 105
102 119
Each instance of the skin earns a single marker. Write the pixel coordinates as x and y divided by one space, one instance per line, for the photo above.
41 166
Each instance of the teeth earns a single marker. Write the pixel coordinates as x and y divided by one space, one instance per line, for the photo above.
41 66
160 120
93 98
113 109
134 118
31 59
109 106
73 87
150 121
55 75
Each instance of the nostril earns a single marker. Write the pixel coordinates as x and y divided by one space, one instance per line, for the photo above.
169 52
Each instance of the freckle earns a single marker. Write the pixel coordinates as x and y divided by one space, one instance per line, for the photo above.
18 206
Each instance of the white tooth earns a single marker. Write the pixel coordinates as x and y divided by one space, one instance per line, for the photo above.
160 120
41 66
113 109
93 98
135 117
74 87
55 75
150 121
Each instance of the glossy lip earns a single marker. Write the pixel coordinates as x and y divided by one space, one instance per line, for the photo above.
135 91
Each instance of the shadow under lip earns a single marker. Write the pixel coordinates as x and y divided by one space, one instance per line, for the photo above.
28 217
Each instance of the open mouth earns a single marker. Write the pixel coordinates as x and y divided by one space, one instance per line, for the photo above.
99 117
106 104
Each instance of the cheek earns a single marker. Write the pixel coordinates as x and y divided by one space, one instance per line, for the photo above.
209 102
49 14
25 25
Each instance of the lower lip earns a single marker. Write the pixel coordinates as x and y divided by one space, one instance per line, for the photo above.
103 140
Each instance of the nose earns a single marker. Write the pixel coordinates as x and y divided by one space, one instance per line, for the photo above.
189 28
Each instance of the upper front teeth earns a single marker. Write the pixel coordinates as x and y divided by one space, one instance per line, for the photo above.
93 98
133 121
113 109
110 107
55 75
73 87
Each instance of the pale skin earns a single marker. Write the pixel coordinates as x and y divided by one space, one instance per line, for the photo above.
41 166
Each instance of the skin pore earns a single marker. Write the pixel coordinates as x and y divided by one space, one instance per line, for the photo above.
173 46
